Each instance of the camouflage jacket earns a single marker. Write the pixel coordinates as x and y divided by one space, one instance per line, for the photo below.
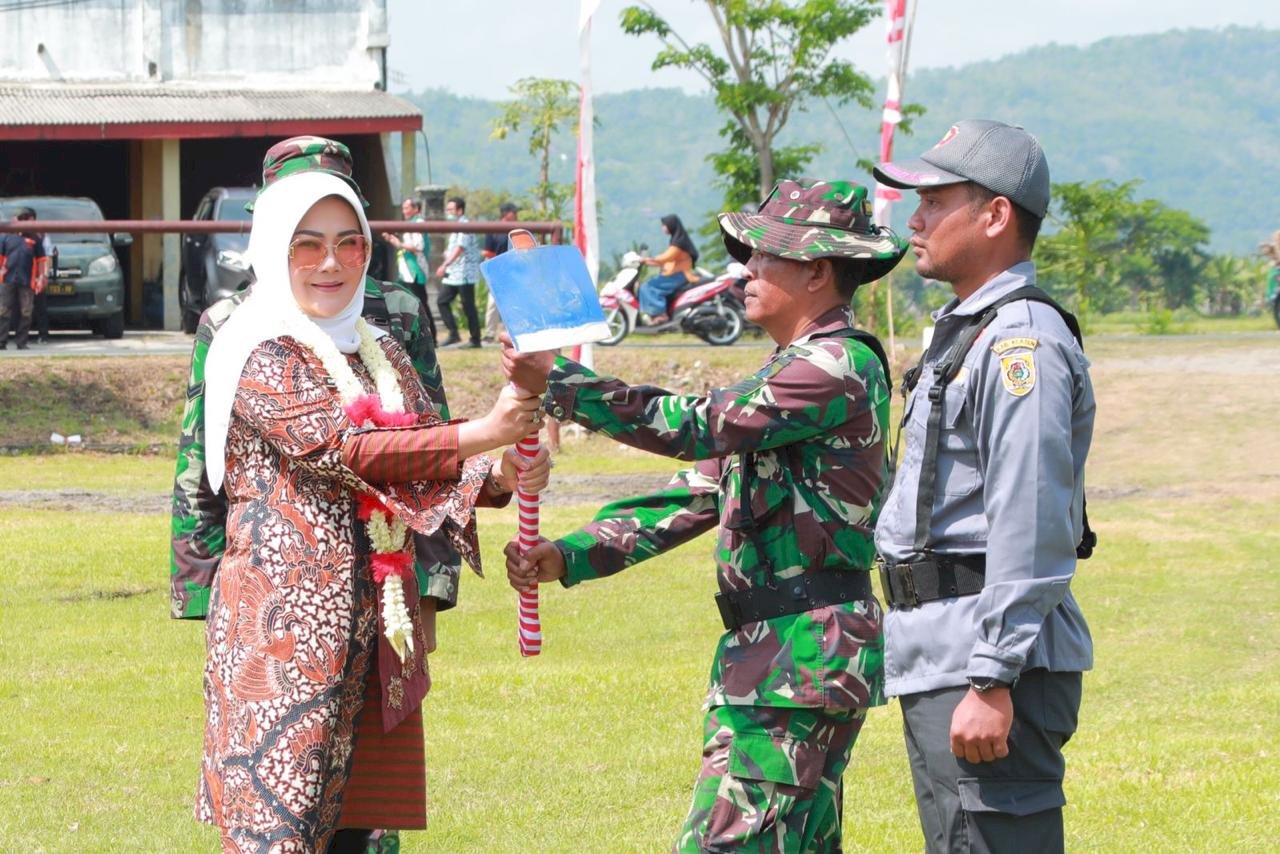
197 534
811 424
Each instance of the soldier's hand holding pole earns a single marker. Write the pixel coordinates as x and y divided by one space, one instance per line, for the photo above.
527 370
541 564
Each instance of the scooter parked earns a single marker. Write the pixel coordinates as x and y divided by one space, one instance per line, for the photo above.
706 308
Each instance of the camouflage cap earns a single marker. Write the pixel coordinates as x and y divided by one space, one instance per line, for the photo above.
808 220
307 154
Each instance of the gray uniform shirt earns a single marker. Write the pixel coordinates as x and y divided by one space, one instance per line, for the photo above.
1016 426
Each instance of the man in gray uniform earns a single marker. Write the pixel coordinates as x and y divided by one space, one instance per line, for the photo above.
978 538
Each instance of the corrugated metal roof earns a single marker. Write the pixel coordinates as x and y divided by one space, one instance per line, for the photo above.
24 105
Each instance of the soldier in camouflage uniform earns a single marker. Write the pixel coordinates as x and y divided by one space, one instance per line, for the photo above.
198 535
789 464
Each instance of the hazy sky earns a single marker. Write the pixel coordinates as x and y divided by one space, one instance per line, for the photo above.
480 47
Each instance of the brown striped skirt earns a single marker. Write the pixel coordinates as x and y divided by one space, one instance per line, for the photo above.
388 783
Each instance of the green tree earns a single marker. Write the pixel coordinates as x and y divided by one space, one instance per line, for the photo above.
1176 243
483 202
1232 285
1111 251
542 105
776 56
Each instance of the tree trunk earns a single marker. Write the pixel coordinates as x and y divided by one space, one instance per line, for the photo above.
764 155
545 174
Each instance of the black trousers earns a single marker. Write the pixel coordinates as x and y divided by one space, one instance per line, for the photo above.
1009 805
16 304
445 303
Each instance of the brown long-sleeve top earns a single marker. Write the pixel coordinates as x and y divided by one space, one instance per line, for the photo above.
675 260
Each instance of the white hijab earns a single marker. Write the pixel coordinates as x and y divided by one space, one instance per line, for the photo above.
271 308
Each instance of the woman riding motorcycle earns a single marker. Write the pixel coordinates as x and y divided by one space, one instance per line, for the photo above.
677 262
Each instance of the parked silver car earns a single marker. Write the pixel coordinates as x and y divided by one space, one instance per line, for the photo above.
213 265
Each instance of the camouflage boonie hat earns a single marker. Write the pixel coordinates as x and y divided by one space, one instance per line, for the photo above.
808 220
307 154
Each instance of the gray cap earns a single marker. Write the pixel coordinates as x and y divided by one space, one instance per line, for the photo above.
1005 159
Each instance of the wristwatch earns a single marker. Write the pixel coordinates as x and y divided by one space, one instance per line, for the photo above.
983 684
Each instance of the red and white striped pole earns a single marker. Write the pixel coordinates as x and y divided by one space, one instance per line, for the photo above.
530 624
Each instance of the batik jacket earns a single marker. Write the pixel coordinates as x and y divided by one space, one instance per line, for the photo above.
197 529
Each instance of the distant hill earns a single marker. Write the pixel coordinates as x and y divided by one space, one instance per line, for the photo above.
1194 114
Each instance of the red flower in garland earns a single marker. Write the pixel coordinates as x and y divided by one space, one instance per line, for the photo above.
386 564
368 408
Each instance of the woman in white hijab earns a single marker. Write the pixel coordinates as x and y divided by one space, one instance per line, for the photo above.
330 455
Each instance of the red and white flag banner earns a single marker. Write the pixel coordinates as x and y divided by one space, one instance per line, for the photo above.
896 12
586 234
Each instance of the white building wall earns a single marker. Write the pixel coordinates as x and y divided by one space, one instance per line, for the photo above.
255 43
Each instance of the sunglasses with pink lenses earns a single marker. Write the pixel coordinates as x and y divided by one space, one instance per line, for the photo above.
307 253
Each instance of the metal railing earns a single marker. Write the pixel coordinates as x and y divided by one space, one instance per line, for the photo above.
553 231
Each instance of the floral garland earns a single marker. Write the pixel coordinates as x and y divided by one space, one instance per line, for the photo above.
392 558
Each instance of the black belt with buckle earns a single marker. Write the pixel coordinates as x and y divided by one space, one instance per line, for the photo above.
793 596
938 576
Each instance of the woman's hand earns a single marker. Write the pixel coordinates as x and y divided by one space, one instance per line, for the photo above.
515 414
542 564
530 476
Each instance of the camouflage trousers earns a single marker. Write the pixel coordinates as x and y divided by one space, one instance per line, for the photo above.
770 780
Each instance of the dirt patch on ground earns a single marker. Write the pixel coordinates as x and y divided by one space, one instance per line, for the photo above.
567 490
80 500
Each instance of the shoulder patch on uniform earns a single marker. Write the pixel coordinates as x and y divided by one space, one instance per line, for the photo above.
1008 344
1018 373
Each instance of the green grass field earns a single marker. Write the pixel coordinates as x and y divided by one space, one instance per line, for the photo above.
594 745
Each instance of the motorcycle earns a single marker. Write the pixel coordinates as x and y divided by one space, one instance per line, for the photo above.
707 307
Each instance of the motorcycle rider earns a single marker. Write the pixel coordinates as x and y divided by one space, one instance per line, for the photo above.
676 263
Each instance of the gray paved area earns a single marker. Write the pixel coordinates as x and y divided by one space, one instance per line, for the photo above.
79 343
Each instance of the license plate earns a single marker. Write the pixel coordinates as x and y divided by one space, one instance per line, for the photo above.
61 289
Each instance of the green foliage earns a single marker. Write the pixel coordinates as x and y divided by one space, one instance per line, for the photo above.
652 145
542 105
913 300
776 57
1158 321
1231 285
484 202
1111 251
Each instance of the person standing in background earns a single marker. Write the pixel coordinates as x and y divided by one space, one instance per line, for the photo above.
459 272
411 263
21 274
40 309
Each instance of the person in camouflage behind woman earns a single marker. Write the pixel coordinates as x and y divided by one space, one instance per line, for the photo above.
789 467
198 516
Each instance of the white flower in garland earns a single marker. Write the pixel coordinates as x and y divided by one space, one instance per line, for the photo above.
392 556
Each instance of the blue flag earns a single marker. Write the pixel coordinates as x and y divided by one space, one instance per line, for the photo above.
545 297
